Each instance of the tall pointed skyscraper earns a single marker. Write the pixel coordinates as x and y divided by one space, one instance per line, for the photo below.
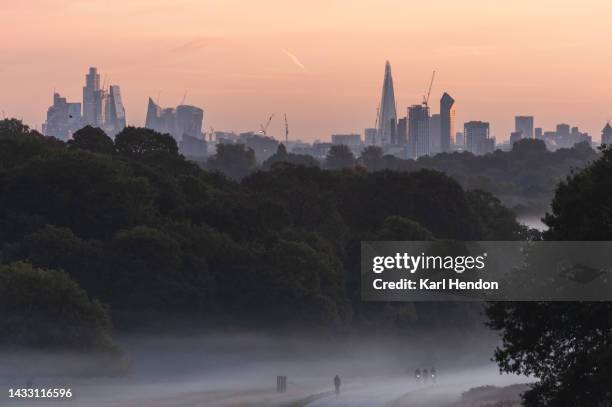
387 116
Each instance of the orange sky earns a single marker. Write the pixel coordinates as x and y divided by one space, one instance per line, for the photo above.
548 58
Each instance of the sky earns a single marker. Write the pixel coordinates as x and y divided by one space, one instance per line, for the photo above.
319 61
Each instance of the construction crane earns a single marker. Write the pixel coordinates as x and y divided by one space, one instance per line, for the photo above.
184 97
286 131
264 129
426 98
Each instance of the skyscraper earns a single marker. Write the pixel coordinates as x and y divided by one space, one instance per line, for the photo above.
114 112
606 135
435 145
524 124
387 115
402 132
185 119
447 122
63 118
418 131
189 120
369 136
93 99
477 138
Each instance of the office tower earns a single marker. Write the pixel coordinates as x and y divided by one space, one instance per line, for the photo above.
153 113
402 132
477 138
435 134
189 120
63 118
369 136
606 135
459 139
524 124
114 112
418 131
93 99
538 133
387 114
184 119
447 122
515 136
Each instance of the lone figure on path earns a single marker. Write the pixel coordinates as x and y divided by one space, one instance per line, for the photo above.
337 383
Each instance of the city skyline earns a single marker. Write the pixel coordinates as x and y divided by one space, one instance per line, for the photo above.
318 63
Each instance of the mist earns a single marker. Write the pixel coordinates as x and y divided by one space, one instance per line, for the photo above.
240 369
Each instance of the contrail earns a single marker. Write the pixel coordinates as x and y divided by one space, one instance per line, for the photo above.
294 59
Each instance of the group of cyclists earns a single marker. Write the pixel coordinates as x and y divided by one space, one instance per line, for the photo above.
425 376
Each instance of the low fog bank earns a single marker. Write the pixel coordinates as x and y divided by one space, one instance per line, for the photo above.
173 366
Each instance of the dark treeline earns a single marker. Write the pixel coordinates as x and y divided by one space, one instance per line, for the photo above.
524 178
151 238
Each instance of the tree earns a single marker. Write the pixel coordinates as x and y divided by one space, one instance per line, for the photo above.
339 157
46 309
13 128
282 156
398 228
92 139
582 206
140 141
235 160
567 345
371 157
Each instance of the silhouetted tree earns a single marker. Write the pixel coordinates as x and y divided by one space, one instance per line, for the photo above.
13 128
566 345
46 309
339 157
234 160
281 156
140 141
92 139
371 157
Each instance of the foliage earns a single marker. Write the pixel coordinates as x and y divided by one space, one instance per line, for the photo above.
92 139
160 239
339 157
46 309
234 160
136 142
567 346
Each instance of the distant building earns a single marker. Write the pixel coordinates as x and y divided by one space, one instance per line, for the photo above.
606 135
477 138
351 140
387 115
94 99
418 131
459 139
189 120
114 112
369 136
435 142
195 147
447 122
177 122
515 136
63 118
263 146
538 133
524 124
401 133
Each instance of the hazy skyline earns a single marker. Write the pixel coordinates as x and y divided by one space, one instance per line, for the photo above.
321 62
